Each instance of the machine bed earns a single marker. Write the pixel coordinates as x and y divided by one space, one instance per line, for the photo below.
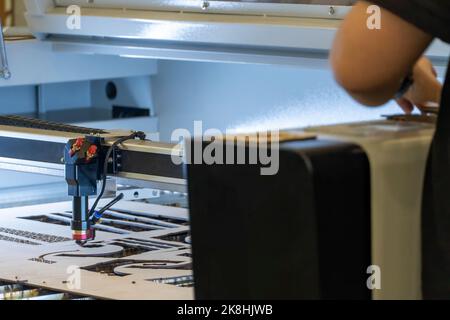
142 251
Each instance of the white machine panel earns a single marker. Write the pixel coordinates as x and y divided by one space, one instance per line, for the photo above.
269 32
398 154
293 8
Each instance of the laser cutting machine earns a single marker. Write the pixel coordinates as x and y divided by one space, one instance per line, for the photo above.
106 86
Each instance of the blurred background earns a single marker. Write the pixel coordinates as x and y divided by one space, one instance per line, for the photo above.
86 89
11 12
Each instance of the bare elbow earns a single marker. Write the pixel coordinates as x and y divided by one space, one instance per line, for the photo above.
345 74
361 86
370 97
346 79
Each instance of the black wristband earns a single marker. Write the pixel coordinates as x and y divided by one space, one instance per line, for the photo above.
406 84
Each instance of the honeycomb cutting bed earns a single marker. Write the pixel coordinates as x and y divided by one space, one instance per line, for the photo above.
141 251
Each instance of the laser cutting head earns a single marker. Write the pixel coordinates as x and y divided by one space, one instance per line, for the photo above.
83 161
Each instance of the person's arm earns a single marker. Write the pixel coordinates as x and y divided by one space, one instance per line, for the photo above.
372 64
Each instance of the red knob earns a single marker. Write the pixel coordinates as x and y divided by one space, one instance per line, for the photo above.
91 152
93 149
79 143
76 146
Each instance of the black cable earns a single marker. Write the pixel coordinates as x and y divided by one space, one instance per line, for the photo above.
134 135
97 216
112 203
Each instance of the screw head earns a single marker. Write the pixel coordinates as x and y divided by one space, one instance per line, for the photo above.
332 11
6 74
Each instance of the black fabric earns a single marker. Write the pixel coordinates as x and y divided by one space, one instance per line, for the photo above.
433 16
436 209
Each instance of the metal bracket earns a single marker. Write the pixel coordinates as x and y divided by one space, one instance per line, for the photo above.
116 158
114 161
4 68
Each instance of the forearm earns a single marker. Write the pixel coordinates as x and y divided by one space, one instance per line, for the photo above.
371 64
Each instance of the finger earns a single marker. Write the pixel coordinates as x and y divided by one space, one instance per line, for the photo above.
427 62
428 107
433 69
406 105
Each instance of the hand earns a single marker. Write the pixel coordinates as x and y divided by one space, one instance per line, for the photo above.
426 90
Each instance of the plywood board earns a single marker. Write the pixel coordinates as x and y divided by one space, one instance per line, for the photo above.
141 252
